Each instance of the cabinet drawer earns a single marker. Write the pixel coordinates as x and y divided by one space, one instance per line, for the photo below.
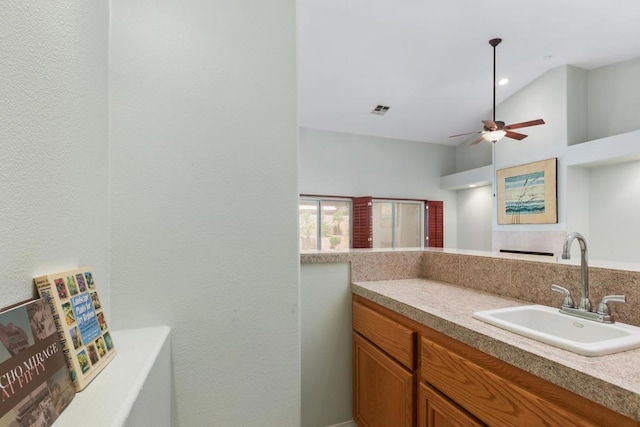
395 339
488 396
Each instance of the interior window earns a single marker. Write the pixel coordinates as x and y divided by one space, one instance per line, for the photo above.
325 223
363 222
397 224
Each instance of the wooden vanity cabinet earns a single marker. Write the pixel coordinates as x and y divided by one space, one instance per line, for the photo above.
406 373
384 377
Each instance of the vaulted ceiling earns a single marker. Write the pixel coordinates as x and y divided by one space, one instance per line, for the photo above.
431 61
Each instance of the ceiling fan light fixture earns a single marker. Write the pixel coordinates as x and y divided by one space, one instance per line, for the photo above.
494 135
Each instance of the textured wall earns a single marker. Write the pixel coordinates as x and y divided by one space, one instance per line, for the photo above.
53 142
347 164
203 175
614 99
614 203
474 218
335 163
326 344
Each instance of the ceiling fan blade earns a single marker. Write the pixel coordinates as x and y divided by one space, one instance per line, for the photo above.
515 135
489 124
463 134
477 140
524 124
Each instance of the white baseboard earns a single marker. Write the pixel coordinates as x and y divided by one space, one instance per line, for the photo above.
344 424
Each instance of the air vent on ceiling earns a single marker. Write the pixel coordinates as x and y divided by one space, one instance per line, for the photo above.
380 110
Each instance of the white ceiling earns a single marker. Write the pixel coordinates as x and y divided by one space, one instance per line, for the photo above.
432 63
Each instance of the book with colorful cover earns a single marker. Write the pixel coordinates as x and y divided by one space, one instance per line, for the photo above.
35 386
84 333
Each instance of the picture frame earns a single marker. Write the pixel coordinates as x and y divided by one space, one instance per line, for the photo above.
527 194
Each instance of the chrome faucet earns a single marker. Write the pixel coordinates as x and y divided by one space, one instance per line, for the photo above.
583 309
584 303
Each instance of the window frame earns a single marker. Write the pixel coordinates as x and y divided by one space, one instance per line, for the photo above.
318 199
394 218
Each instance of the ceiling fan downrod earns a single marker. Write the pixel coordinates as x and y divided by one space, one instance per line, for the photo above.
494 43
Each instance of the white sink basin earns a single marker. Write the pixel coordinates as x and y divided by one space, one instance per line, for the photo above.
548 325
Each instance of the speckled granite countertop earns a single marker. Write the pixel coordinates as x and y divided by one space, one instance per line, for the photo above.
612 381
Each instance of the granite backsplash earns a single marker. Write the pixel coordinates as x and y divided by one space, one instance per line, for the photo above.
523 278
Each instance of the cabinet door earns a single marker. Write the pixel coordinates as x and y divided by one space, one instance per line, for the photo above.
435 410
383 391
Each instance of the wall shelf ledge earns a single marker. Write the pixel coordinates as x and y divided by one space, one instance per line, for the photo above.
462 180
619 148
134 389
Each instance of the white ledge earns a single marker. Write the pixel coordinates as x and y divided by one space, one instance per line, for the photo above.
598 152
605 151
136 383
462 180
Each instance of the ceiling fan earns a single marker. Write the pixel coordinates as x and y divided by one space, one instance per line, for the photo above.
494 130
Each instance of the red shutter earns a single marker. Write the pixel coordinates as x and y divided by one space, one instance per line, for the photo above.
434 224
362 222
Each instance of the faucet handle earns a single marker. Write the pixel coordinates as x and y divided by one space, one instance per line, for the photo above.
603 308
568 300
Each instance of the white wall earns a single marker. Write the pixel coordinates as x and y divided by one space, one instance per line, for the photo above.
53 142
203 175
472 156
326 344
545 98
341 164
577 105
474 218
614 99
578 206
614 202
